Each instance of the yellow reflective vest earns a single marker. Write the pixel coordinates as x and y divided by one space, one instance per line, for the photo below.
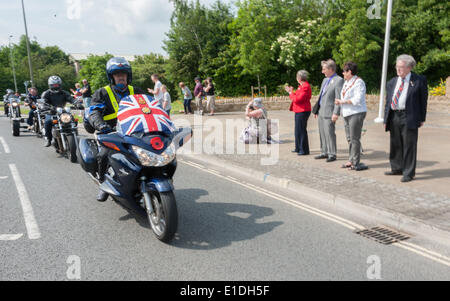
114 102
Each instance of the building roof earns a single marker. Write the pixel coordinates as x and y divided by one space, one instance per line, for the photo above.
82 56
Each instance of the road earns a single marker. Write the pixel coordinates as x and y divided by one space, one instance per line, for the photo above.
49 221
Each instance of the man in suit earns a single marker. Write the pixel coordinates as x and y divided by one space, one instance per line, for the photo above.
405 112
327 111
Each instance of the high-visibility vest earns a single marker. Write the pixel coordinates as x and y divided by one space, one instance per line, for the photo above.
114 102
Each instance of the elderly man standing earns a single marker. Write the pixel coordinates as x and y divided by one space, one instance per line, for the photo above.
327 111
405 112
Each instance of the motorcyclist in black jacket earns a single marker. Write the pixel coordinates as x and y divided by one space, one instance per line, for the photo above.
31 101
56 97
105 105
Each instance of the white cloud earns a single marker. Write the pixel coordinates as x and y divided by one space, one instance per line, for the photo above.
135 17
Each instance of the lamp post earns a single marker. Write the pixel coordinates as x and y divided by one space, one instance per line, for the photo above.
28 46
380 119
12 64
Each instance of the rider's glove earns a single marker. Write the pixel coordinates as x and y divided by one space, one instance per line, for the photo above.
105 129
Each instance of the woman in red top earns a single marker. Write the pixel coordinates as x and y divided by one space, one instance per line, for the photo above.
301 106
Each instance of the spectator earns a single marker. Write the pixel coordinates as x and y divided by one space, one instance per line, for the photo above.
187 97
166 101
353 108
86 93
198 93
210 96
156 91
327 111
301 106
77 91
405 113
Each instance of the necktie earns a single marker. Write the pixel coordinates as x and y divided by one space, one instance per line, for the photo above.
394 103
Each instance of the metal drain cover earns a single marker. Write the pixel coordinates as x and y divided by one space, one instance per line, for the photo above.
383 235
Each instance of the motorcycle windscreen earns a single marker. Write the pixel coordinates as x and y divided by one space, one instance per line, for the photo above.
141 113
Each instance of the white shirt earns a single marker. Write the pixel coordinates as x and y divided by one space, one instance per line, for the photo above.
402 99
354 90
160 95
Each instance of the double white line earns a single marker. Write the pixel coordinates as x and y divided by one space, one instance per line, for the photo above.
331 217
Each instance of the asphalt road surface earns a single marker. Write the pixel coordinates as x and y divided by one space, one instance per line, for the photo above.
52 228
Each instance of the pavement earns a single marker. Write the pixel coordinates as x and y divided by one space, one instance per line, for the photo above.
421 206
229 229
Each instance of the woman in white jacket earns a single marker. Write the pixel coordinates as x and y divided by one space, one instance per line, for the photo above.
353 109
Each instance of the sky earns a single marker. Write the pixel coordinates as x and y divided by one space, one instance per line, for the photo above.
127 27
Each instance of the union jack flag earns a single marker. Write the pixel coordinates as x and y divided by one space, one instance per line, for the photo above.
141 113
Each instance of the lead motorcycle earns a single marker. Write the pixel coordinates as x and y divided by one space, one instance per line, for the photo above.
141 161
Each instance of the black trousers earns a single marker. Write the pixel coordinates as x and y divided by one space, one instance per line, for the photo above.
403 148
301 134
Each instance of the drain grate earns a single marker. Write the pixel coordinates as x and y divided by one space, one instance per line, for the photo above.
383 235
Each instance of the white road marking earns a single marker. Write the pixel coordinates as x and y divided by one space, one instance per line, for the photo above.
3 178
5 145
10 236
30 220
339 220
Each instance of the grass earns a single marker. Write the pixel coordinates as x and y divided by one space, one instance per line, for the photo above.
177 107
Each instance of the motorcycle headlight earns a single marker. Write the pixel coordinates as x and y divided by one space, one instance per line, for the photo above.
59 110
65 118
15 104
67 109
148 158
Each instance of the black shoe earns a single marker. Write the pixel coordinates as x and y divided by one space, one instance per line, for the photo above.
406 179
331 159
48 143
393 173
321 157
102 196
303 154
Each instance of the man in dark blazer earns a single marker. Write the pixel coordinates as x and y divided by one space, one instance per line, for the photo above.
405 112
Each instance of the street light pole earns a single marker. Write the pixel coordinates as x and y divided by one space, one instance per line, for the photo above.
12 65
380 119
28 46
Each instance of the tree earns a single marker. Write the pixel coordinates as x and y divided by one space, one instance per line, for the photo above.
94 70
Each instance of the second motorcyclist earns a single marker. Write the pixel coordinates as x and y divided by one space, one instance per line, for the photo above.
31 101
56 97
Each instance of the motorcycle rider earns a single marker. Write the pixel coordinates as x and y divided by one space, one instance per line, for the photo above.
105 105
9 93
56 97
31 101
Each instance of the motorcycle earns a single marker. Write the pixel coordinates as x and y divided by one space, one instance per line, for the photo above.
40 110
64 131
140 166
13 112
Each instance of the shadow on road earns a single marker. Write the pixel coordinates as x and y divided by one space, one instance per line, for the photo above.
210 225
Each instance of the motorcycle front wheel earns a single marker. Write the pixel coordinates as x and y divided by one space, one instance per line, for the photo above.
164 218
72 151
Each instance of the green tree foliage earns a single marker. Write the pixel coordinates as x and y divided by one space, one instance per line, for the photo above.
94 70
46 61
273 39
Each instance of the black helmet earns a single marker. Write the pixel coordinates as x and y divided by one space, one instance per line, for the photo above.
116 65
54 83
